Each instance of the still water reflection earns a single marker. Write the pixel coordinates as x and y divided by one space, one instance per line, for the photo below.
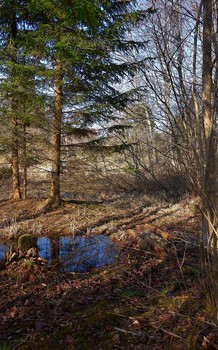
78 254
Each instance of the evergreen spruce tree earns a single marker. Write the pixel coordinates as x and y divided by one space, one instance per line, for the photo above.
78 46
20 101
11 42
71 47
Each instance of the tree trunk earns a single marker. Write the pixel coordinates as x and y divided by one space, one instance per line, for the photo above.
55 198
24 162
15 161
210 188
14 149
54 248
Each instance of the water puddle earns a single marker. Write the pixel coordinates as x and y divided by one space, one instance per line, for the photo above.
77 254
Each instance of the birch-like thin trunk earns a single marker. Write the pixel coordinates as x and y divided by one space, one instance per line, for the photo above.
210 176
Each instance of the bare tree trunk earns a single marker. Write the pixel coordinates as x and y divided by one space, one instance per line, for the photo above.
210 177
55 198
200 150
24 162
15 161
14 123
207 68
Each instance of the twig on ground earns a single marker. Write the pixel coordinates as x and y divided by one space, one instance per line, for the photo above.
168 332
138 334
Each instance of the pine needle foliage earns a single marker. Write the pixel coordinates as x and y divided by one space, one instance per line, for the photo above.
58 60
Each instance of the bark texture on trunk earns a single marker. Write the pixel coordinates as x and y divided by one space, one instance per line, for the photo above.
210 186
16 191
25 165
207 68
15 161
55 198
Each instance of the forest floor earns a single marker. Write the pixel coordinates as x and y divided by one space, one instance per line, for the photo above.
148 299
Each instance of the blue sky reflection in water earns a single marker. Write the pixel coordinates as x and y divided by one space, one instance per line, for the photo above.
4 248
81 253
77 254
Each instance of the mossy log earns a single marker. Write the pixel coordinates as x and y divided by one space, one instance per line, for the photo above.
26 241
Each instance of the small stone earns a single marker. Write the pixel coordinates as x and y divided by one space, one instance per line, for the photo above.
32 253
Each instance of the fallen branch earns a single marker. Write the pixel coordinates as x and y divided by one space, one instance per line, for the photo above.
138 334
168 332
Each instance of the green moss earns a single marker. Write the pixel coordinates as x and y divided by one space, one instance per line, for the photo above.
191 272
208 305
4 347
193 337
87 336
131 293
30 265
174 286
96 317
112 273
93 329
129 311
99 314
53 230
162 300
154 301
27 241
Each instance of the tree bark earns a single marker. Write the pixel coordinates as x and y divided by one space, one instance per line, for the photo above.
210 187
14 151
25 165
55 198
15 160
207 68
